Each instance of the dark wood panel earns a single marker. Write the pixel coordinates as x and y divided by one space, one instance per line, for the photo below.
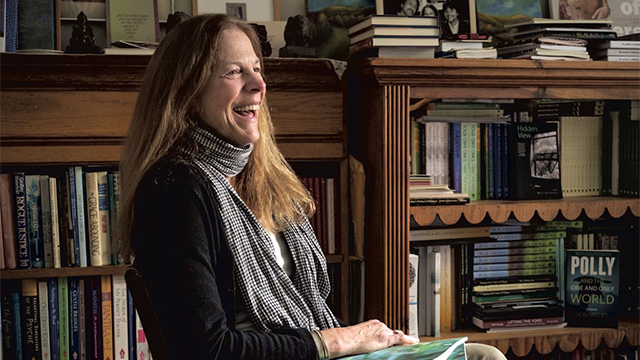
62 272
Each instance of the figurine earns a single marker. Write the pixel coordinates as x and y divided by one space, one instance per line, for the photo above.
82 38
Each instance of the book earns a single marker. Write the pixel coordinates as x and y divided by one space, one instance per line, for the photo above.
469 112
63 316
142 346
514 272
55 222
393 20
45 220
94 316
74 318
534 157
119 21
9 336
555 53
375 31
575 33
120 328
80 216
514 286
560 22
416 52
376 41
83 318
619 44
448 45
34 220
22 229
592 288
54 319
521 48
517 323
413 294
107 317
617 52
8 213
448 233
43 309
128 51
36 25
486 53
431 350
529 235
30 320
97 218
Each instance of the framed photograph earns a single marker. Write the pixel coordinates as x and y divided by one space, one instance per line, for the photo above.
132 20
455 16
623 15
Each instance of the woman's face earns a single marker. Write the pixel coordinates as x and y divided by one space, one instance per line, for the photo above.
230 102
428 11
409 7
451 14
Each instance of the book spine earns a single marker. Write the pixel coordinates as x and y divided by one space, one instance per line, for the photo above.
82 234
47 237
43 308
104 216
142 348
506 192
73 202
413 295
22 228
107 318
9 230
445 288
34 222
63 313
501 324
54 319
465 159
514 272
30 320
331 215
491 187
498 162
456 157
514 265
514 286
516 251
507 244
132 327
114 202
514 258
74 318
83 318
120 328
55 223
19 327
528 236
94 328
9 336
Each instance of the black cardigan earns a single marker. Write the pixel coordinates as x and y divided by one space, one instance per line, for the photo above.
185 260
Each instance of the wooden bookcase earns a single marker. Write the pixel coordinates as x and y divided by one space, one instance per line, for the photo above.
380 91
75 110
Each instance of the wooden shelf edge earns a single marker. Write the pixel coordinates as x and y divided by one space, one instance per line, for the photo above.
545 341
524 210
19 274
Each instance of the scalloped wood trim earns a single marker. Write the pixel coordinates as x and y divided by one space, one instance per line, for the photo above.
524 210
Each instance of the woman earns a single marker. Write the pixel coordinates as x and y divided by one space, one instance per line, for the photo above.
453 24
429 10
216 217
408 7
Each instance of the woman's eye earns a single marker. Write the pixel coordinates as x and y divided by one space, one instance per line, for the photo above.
257 70
234 72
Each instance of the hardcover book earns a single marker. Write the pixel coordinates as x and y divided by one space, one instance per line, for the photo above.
592 288
535 161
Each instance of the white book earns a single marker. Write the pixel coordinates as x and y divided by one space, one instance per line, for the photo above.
120 324
55 222
43 306
413 294
393 20
142 346
622 58
331 216
82 235
381 30
93 221
46 221
635 53
436 291
620 44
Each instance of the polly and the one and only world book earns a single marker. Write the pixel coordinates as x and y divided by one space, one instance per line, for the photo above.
592 281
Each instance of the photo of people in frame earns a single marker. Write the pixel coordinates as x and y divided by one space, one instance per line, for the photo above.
454 16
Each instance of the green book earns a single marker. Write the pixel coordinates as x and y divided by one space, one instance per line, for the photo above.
63 315
452 349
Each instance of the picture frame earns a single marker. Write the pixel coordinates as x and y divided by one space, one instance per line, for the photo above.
455 16
623 15
132 21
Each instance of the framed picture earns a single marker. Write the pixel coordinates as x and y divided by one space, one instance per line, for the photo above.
494 14
132 20
455 16
623 14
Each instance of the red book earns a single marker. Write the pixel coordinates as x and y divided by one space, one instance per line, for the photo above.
8 221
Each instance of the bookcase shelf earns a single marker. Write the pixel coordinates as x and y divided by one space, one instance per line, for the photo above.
63 272
381 91
524 210
75 110
545 341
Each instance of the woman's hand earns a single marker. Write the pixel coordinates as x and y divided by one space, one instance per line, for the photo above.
363 338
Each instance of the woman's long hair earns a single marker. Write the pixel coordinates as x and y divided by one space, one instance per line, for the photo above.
178 73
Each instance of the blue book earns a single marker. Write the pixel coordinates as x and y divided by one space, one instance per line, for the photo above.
54 318
505 160
491 161
17 310
22 228
34 220
8 328
11 26
82 223
456 156
74 319
497 153
131 323
74 214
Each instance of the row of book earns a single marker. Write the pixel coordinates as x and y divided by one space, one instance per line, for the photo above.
325 220
71 318
477 150
60 219
516 276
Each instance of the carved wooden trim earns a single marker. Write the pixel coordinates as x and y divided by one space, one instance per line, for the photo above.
524 210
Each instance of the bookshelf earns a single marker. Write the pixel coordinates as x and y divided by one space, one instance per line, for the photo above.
380 91
75 109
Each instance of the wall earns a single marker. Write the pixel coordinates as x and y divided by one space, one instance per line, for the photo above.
257 10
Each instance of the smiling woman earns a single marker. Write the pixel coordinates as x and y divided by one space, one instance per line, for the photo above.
217 219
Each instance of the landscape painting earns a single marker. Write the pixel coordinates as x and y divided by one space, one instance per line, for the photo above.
494 14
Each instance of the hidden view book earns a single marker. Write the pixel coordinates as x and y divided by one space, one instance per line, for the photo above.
593 277
446 349
534 158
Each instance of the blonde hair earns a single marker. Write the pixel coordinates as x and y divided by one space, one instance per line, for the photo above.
176 76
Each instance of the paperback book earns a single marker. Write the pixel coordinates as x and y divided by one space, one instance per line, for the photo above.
592 288
447 349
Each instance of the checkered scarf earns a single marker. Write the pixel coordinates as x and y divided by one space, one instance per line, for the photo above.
271 297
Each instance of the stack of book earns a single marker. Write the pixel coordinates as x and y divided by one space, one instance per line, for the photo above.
395 36
626 48
547 48
516 277
531 31
466 49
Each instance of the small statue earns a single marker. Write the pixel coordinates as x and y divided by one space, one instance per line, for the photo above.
175 19
296 37
261 31
82 38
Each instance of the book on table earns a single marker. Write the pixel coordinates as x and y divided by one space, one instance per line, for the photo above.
382 30
393 20
446 349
